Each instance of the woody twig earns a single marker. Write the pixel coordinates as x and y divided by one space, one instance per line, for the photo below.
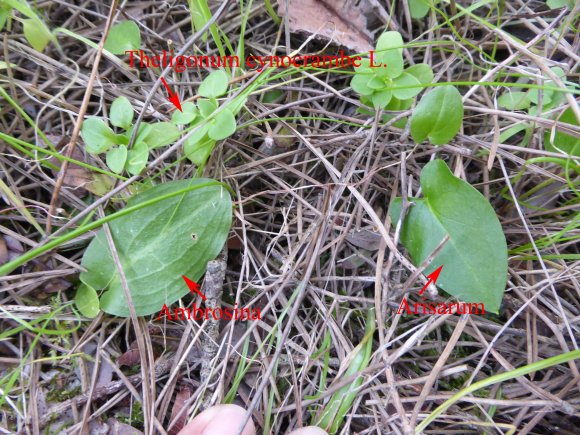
212 288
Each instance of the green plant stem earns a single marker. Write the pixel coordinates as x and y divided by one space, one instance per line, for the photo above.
272 12
17 143
501 377
14 104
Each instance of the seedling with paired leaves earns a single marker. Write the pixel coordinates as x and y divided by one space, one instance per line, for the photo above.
437 117
100 138
212 124
539 102
393 87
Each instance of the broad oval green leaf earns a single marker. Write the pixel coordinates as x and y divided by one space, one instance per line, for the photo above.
87 301
122 113
97 135
158 244
474 258
214 85
389 51
438 116
123 37
116 158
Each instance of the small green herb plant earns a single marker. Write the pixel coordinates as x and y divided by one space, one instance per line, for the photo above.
392 87
438 116
100 138
212 124
541 102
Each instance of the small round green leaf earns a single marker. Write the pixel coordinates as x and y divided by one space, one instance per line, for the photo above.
97 135
474 258
514 100
137 158
382 98
122 113
421 72
418 8
404 81
123 37
206 107
189 113
438 116
116 158
214 85
389 51
199 150
87 301
161 134
224 125
359 84
155 245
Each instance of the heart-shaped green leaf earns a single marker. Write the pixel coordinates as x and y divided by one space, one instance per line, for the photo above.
224 125
390 51
438 116
123 37
158 244
97 135
475 256
122 113
214 85
116 158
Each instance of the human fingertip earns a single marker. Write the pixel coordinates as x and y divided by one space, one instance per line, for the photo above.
219 420
309 430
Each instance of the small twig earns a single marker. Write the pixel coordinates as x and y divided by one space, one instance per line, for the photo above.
212 289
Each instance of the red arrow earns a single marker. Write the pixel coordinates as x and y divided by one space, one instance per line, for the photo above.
432 278
174 98
193 286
